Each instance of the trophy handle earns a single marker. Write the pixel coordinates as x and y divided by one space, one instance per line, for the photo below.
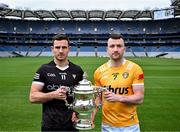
99 89
98 92
70 106
68 91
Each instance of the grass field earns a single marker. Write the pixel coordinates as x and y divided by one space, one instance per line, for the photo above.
160 111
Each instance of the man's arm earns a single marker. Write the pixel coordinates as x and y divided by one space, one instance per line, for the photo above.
136 98
37 96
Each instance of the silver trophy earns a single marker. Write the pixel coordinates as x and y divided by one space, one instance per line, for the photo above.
84 103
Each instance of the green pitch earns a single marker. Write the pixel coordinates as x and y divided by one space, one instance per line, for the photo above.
160 111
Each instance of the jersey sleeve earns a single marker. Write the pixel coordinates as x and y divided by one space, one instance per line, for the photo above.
97 78
81 74
39 76
138 76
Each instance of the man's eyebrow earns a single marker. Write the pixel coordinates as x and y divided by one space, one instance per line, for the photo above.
60 46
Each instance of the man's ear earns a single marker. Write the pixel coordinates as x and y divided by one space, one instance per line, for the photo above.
69 48
52 47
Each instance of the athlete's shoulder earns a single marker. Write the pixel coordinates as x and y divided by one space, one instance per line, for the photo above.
132 65
47 65
74 66
102 68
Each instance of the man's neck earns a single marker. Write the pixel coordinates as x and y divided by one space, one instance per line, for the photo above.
62 63
116 63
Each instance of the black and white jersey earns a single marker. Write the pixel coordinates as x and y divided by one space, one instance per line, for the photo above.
51 77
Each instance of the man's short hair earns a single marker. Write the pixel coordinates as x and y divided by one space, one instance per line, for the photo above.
116 36
61 37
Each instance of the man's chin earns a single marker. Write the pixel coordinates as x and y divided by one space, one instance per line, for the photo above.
60 59
116 58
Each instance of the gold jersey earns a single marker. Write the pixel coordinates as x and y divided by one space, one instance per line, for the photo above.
119 80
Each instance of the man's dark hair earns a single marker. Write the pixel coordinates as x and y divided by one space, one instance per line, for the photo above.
116 36
61 37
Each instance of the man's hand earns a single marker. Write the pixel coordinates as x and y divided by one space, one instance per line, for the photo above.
74 117
92 118
109 96
60 93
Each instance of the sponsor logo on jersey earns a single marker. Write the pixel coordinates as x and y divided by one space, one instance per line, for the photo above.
51 75
36 76
118 90
53 87
115 75
125 75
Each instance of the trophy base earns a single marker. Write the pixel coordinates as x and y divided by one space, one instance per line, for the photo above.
84 124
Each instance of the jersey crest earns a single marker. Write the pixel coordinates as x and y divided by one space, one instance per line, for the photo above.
125 75
74 76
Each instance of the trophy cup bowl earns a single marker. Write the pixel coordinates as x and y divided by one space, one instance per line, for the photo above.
84 103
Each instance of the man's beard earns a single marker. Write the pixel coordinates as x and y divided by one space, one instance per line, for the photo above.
60 57
116 57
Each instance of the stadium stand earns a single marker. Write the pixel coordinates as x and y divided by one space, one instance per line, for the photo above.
149 38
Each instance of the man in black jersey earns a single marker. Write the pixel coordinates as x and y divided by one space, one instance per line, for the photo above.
48 87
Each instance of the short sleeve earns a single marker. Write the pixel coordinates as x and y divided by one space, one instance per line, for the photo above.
39 76
97 78
138 76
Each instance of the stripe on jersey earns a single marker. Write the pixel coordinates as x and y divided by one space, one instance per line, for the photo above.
138 84
40 83
36 76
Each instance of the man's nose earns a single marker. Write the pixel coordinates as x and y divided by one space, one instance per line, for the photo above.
115 48
60 49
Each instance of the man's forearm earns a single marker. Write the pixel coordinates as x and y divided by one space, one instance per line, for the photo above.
132 99
40 97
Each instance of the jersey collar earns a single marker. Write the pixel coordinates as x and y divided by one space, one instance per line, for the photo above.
62 68
124 61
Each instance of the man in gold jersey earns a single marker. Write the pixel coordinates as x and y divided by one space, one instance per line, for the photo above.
125 82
